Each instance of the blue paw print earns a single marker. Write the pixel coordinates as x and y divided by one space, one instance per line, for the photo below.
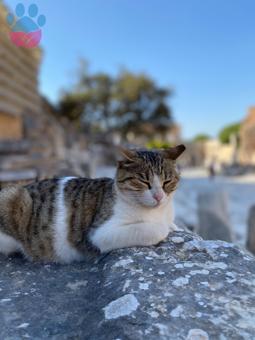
26 23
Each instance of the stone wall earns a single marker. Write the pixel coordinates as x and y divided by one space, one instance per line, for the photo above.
49 148
11 127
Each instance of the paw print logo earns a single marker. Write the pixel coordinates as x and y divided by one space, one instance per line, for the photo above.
26 29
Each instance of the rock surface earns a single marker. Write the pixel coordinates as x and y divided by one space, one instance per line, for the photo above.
190 289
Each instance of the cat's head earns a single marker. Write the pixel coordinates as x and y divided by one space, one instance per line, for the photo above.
148 177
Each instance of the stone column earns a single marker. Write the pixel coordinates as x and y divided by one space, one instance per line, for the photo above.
250 243
213 216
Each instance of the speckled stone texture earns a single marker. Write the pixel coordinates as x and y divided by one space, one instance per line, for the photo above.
185 288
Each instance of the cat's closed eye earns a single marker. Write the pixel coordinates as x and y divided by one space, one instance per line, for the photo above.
134 183
147 183
168 181
169 185
140 184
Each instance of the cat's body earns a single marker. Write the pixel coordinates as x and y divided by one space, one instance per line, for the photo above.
64 219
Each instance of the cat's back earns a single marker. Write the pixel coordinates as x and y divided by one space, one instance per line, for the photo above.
74 192
84 201
93 198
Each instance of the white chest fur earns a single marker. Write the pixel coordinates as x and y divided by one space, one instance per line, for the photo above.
134 226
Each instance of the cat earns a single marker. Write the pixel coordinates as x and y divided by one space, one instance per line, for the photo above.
64 219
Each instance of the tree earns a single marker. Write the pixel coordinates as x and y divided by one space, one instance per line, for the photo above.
201 137
122 102
139 99
229 130
89 102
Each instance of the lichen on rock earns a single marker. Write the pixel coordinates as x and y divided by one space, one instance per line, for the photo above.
183 288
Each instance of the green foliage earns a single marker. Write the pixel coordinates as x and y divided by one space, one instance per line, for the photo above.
202 137
227 131
158 144
123 102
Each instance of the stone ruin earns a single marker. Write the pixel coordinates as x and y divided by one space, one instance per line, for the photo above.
34 141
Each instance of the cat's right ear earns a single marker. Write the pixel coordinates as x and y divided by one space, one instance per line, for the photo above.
125 157
127 154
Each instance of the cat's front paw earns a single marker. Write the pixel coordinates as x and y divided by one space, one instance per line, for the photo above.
173 227
157 235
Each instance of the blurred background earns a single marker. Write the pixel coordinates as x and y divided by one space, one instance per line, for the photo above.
144 74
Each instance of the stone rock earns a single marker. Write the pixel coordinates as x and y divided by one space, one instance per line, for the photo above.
214 221
250 244
177 239
197 334
195 290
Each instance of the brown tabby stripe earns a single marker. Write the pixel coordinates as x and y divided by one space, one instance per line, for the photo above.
89 203
39 233
15 210
153 159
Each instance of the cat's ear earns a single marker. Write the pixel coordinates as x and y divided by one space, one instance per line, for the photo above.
174 153
127 154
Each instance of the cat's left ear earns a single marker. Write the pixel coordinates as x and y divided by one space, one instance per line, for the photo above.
174 153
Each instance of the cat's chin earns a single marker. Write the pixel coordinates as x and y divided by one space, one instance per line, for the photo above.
151 205
155 205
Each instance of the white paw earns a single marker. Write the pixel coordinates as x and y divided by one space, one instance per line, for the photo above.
156 235
173 227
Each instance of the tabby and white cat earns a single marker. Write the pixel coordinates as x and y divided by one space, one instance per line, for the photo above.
64 219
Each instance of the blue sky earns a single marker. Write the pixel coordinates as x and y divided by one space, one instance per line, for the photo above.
204 49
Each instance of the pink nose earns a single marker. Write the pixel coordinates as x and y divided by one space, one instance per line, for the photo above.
158 196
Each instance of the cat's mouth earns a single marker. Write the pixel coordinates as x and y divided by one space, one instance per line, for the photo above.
157 204
152 205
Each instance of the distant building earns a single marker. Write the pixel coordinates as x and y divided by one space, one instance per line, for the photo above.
234 152
247 138
218 153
